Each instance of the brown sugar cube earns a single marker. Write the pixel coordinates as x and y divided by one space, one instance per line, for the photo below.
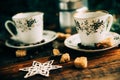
67 35
56 52
68 30
65 58
21 53
81 62
108 42
61 35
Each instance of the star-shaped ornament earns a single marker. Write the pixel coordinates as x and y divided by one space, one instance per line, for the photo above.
40 68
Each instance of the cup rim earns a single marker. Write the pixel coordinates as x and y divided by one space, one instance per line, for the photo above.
26 15
101 12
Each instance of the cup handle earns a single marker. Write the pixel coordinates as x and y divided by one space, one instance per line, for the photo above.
8 28
110 21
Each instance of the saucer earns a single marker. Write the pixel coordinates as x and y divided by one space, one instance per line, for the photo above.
72 42
48 36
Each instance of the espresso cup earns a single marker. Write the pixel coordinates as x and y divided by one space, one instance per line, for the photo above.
29 27
92 27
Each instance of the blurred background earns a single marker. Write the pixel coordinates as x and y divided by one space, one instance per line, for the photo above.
57 13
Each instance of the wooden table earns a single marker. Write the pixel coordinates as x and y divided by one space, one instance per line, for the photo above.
101 66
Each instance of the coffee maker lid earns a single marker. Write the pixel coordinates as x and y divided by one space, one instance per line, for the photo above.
70 4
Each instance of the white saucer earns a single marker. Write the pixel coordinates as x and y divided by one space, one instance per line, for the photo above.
48 36
72 42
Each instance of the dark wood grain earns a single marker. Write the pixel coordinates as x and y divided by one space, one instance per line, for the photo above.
103 67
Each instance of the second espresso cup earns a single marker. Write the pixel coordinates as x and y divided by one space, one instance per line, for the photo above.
29 27
92 27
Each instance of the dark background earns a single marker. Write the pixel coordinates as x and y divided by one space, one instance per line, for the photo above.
8 8
112 6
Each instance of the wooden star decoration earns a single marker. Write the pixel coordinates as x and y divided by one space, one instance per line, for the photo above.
40 68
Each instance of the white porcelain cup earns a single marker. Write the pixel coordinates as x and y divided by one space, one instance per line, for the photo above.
92 27
29 27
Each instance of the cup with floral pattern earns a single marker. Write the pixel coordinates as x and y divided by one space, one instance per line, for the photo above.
29 27
92 27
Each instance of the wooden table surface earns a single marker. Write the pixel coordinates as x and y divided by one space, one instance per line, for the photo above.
101 66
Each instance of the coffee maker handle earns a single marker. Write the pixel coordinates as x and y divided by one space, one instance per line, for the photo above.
8 28
110 21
